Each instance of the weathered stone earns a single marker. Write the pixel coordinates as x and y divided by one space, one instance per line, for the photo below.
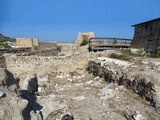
84 36
2 94
7 80
11 104
30 84
79 98
67 117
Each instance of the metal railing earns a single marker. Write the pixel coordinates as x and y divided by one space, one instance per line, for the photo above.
100 43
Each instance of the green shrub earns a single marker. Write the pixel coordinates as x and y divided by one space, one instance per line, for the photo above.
154 55
3 45
120 57
73 73
139 53
59 48
84 42
158 54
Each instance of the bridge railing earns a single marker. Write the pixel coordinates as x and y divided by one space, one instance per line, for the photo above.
109 42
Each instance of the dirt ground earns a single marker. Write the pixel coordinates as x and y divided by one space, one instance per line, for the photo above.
91 98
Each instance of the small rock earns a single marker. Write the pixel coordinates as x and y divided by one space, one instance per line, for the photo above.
67 117
79 98
90 82
2 94
138 117
69 79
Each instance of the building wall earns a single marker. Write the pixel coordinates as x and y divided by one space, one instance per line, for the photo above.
147 35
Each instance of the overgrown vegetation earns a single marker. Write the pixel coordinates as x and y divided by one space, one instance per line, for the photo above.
3 45
84 42
140 53
158 54
119 56
155 55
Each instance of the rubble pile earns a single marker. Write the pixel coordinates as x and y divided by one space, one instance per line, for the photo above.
11 104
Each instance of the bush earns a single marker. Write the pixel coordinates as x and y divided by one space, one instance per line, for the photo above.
158 54
120 57
154 55
4 45
59 48
84 42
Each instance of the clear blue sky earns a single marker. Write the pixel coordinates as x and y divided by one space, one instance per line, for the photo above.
61 20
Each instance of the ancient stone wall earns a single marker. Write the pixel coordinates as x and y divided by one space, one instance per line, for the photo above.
47 45
14 50
66 47
147 35
84 36
47 52
23 65
27 42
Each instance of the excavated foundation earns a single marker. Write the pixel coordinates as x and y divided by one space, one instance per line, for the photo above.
120 72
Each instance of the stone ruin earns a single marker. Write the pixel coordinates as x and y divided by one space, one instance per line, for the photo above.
84 36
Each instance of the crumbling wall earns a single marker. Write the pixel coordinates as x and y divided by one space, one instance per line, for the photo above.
2 62
39 64
14 50
84 36
27 42
67 47
47 45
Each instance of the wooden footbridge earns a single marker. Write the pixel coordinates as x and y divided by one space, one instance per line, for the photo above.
98 44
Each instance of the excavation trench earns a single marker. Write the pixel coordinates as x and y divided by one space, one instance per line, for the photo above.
141 85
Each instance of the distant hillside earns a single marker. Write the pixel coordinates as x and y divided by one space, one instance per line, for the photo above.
4 39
